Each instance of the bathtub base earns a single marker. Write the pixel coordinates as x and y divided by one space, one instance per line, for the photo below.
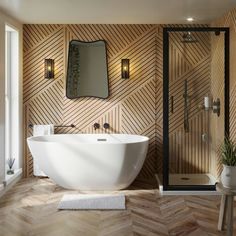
90 161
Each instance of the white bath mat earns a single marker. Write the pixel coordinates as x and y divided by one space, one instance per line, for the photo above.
92 202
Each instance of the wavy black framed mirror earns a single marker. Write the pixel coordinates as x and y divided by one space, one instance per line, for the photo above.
87 70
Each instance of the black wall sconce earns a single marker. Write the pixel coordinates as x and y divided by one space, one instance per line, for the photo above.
125 68
49 68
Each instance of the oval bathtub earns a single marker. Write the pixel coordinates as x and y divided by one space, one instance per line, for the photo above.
90 161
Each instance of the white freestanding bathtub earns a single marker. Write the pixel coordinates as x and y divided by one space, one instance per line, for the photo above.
90 161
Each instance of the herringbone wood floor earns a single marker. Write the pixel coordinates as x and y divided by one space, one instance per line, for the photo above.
30 208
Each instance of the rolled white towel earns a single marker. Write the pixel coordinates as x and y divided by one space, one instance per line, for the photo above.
39 130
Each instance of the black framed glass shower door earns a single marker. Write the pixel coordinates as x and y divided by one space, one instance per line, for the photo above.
195 74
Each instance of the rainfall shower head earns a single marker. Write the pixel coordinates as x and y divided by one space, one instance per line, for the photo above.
188 38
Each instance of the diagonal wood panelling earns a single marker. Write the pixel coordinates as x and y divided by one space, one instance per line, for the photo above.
217 127
46 108
138 77
112 116
159 101
217 91
217 87
117 36
188 154
45 101
33 34
33 67
137 109
137 117
191 62
134 105
198 79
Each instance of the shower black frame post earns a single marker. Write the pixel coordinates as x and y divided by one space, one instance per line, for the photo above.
166 31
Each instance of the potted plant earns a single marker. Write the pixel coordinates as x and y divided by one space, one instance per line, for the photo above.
228 155
10 162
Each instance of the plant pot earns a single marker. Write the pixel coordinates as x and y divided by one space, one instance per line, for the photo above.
228 177
10 172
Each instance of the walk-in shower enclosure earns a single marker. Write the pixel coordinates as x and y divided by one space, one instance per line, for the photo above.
195 105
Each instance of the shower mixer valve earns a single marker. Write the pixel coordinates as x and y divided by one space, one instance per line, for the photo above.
214 105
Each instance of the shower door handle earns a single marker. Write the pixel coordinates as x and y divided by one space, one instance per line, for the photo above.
172 104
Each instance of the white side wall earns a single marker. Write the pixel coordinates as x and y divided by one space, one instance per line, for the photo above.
4 19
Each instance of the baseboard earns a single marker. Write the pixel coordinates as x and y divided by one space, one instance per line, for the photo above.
10 182
1 187
10 178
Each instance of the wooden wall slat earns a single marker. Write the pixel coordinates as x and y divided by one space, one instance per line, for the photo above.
45 100
135 105
191 62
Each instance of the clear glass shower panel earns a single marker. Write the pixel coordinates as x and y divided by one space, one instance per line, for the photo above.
196 79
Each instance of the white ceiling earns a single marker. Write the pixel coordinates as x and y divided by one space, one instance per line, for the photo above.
115 11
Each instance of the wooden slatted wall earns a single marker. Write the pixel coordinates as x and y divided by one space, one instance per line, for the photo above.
217 126
133 104
191 62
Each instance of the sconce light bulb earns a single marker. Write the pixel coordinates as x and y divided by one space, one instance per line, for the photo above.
49 68
125 68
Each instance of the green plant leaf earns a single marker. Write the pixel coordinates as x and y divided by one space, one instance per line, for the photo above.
228 152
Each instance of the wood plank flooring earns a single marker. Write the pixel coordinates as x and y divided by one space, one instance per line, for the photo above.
30 208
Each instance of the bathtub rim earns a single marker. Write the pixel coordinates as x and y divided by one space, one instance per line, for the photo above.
37 139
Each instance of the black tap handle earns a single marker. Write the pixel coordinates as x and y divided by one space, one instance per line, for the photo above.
106 126
96 126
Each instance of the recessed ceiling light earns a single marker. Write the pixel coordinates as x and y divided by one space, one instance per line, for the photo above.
190 19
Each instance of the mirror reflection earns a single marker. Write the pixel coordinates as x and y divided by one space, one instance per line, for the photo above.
87 73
